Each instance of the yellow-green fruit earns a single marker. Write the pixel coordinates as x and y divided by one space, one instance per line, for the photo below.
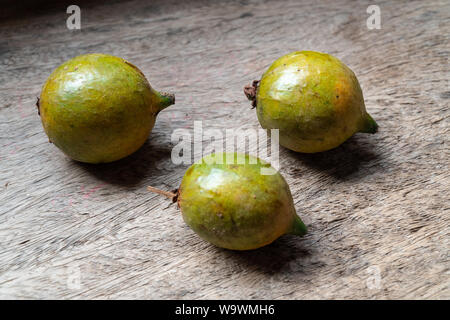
233 205
313 99
99 108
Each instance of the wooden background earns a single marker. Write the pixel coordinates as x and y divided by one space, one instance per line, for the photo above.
377 204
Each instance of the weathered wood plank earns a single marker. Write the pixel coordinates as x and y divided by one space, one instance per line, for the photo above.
376 203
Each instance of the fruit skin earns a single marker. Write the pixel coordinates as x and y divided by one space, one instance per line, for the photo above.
234 206
314 100
99 108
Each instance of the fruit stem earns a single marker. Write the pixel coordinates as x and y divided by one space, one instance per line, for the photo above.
250 92
167 99
173 195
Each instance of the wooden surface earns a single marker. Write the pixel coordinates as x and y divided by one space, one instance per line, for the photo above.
379 203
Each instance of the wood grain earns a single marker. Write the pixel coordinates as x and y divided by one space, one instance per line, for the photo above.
377 203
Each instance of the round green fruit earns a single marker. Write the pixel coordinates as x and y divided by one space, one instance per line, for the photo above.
313 99
227 201
99 108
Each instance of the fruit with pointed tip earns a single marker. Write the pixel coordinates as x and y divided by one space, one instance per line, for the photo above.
313 99
227 201
99 108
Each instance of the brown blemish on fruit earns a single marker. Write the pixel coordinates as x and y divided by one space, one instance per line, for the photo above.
250 92
38 106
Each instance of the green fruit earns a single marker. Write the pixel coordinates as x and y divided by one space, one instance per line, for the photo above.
313 99
99 108
234 206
